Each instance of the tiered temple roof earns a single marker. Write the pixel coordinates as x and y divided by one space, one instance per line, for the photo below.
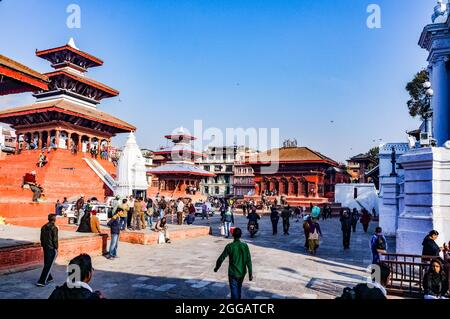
67 111
18 78
180 157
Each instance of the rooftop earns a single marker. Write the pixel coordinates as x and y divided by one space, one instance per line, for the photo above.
63 106
18 78
180 169
290 155
49 55
106 89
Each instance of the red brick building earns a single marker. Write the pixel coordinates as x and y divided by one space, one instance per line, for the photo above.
301 175
64 122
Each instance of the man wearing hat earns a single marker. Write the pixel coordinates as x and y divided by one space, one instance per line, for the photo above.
49 243
95 222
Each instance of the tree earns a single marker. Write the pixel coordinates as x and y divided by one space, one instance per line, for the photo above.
374 153
419 104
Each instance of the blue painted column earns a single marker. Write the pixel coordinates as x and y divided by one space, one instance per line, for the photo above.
440 100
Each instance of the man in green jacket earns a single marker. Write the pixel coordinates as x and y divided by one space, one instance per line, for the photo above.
240 261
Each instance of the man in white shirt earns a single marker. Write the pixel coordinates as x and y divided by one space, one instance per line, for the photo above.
180 209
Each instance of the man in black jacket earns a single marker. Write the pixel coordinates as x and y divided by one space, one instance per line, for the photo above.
49 243
79 274
274 217
286 213
346 227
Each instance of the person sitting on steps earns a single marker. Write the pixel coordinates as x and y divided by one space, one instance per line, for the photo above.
42 160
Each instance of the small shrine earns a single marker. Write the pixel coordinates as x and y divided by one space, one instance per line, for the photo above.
178 175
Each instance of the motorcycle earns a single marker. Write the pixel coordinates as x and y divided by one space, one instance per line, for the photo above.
252 228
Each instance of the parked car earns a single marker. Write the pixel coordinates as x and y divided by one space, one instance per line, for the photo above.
104 212
199 209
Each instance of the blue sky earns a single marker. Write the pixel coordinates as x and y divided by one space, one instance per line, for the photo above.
292 65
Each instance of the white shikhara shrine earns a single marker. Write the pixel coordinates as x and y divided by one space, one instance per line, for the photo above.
131 171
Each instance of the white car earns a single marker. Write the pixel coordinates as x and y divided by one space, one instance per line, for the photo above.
103 212
199 209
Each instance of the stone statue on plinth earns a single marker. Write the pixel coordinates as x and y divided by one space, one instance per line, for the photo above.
441 11
393 162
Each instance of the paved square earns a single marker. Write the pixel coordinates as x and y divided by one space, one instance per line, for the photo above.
184 269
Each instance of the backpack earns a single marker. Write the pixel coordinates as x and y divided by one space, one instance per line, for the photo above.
348 294
362 292
380 243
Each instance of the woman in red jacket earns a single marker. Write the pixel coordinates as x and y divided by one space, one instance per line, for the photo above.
365 220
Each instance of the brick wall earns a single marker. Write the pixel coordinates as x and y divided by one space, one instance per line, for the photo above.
30 255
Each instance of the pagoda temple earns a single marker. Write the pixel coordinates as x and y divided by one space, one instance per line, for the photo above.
65 115
178 173
302 176
65 123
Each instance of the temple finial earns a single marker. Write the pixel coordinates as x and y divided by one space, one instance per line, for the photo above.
71 43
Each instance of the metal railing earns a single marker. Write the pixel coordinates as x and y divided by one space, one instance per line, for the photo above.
407 272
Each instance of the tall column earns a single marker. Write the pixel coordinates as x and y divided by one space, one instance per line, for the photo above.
57 132
440 100
263 187
257 189
281 187
290 188
39 140
48 138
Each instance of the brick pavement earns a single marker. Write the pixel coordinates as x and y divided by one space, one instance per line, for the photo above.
184 269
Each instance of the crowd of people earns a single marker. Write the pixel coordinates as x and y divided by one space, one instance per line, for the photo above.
129 214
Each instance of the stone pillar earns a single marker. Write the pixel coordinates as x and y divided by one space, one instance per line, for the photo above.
389 205
39 146
435 38
48 138
426 199
290 188
440 100
263 187
281 189
57 132
271 186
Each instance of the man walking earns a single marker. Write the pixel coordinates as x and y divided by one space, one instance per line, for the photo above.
137 211
49 243
204 211
355 219
240 260
378 245
286 214
346 227
130 212
180 209
274 218
114 225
